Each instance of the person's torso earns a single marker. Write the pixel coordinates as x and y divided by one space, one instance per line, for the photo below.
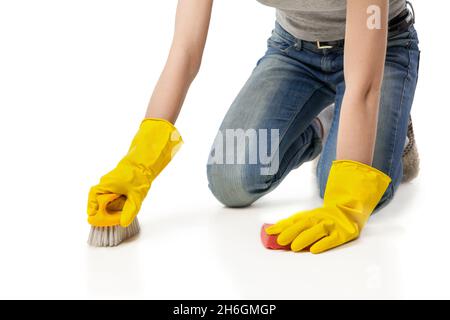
322 20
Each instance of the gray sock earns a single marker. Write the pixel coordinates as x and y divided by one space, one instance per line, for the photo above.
326 119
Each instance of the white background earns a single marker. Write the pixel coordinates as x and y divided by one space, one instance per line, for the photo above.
75 78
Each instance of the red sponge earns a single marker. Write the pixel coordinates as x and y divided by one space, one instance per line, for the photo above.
270 242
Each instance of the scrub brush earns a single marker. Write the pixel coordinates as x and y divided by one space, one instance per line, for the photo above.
106 230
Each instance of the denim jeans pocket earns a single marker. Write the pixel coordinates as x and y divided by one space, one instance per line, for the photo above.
401 46
407 39
278 42
399 40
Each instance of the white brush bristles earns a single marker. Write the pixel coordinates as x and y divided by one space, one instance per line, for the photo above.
112 236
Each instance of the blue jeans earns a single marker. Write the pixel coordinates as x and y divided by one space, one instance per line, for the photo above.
290 85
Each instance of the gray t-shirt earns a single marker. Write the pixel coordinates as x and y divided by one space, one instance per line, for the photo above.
322 20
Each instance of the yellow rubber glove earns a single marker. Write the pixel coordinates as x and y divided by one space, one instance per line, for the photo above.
353 190
122 191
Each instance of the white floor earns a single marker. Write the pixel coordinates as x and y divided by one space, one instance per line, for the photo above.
192 248
74 88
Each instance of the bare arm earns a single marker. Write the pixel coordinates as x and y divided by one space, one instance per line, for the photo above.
183 62
364 58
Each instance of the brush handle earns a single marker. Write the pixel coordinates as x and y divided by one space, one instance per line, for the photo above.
109 210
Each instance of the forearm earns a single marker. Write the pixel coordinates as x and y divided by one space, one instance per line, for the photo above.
364 58
358 127
172 86
184 59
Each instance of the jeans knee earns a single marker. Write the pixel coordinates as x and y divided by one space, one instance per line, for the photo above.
232 184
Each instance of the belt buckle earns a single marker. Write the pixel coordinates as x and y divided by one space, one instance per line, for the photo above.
320 46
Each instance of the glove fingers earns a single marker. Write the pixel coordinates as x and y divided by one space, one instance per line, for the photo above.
129 211
92 202
309 236
96 192
285 223
325 244
279 226
290 233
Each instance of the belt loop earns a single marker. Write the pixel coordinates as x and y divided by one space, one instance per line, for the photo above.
412 9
